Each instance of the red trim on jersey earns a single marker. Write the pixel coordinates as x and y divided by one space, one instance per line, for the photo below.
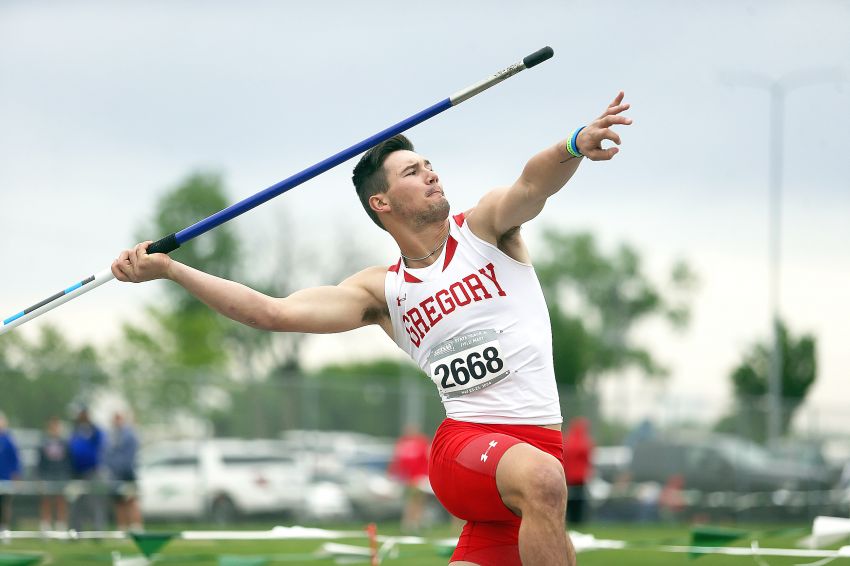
394 268
408 278
451 246
459 218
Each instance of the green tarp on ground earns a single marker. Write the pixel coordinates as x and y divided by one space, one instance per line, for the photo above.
235 560
151 543
19 559
703 536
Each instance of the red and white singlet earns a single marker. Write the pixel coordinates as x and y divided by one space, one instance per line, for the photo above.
476 321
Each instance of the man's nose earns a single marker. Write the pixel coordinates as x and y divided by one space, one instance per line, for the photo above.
432 177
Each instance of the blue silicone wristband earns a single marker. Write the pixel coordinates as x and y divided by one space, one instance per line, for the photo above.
572 147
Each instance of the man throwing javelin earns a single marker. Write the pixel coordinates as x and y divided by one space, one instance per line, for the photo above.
464 302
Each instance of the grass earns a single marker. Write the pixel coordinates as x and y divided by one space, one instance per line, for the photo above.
207 553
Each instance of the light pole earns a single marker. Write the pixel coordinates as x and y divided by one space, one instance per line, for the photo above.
778 89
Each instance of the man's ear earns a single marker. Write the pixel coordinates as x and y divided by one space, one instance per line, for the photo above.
379 203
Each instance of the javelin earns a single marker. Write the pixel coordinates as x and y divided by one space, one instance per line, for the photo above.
173 241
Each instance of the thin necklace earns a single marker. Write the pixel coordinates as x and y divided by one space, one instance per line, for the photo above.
440 245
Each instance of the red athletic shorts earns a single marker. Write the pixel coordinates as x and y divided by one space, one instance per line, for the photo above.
462 469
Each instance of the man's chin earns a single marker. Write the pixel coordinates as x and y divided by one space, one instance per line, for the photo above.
444 207
436 212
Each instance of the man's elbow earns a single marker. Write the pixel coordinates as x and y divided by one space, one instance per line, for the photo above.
265 316
275 316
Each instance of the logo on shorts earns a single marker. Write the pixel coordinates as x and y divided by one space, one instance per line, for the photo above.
492 444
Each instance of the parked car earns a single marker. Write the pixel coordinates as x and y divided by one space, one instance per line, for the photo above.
720 463
221 479
809 453
350 479
610 461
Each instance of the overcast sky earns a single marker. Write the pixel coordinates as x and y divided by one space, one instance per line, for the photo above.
106 105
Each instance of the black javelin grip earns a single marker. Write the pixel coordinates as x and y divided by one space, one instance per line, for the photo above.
538 57
164 245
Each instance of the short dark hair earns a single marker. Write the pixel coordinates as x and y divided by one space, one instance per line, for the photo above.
369 177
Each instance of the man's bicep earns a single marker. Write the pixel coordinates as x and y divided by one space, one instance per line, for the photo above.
503 209
322 310
327 309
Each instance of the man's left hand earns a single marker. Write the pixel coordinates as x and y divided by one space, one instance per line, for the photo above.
590 139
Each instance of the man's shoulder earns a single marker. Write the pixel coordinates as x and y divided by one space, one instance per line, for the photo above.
371 275
372 279
377 273
479 222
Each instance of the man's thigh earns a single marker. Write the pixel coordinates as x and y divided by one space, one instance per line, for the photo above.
464 477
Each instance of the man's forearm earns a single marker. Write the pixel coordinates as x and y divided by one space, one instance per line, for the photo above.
233 300
548 171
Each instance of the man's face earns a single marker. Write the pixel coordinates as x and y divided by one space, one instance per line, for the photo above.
415 191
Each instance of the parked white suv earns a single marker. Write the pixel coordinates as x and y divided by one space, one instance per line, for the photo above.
220 479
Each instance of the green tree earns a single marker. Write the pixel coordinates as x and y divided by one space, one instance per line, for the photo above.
596 302
217 251
166 363
194 332
43 377
185 356
750 381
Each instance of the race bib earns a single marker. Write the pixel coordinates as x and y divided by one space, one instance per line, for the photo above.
467 363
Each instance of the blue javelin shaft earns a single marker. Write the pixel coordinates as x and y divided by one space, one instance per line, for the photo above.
172 242
247 204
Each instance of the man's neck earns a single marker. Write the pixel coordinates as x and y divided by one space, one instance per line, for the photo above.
422 248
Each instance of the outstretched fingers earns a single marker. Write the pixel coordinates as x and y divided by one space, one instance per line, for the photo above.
608 121
616 105
617 99
615 110
591 138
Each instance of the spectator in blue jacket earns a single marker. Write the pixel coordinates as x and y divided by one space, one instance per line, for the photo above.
10 469
121 451
86 449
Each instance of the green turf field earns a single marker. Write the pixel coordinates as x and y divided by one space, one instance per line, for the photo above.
209 553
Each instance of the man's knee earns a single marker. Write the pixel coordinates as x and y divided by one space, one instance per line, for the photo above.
530 480
547 486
